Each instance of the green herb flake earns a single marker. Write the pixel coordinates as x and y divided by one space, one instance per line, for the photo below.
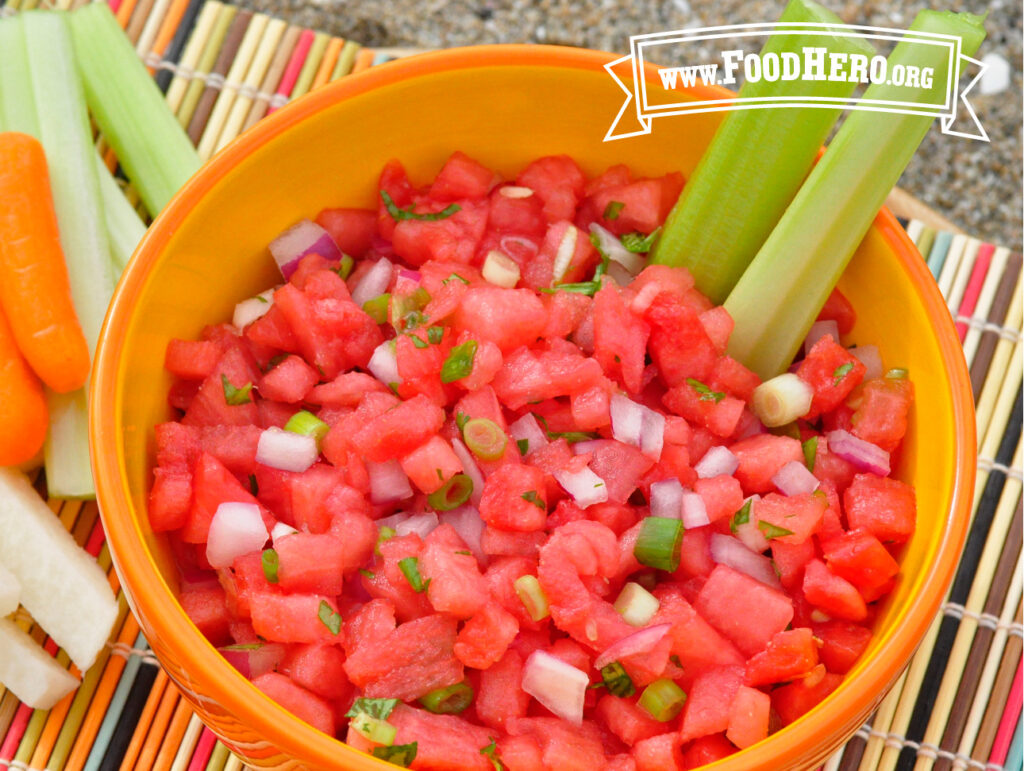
612 210
344 268
368 573
523 445
408 214
378 708
840 372
638 243
242 647
329 617
254 486
618 682
772 531
741 517
588 288
435 335
261 298
455 277
413 320
461 419
394 388
270 565
398 754
418 342
532 497
810 452
706 394
569 436
459 362
235 396
491 751
465 552
410 567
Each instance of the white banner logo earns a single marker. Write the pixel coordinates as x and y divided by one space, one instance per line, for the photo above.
904 88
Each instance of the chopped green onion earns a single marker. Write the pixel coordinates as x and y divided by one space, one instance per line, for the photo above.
636 605
459 362
659 543
236 396
450 700
378 708
782 399
410 567
810 448
638 243
461 419
662 699
612 210
779 296
533 597
376 730
151 145
452 494
408 214
772 531
741 517
329 617
344 268
491 751
435 335
485 438
755 163
897 373
270 565
377 308
706 394
399 754
840 372
531 496
307 424
618 682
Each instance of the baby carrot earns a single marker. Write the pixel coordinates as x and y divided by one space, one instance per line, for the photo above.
34 287
23 414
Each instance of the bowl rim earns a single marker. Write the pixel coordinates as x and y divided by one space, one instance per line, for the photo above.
145 585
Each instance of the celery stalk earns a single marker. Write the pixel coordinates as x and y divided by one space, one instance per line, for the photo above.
151 146
778 297
124 226
17 106
63 129
754 165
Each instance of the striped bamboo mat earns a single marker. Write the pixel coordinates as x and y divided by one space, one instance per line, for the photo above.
958 704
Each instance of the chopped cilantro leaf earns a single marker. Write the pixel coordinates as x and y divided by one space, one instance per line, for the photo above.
772 531
638 243
523 445
810 452
368 573
242 647
418 342
459 362
461 419
410 567
491 751
840 372
235 396
378 708
532 497
455 277
329 617
612 210
706 394
588 288
408 214
741 517
398 754
435 334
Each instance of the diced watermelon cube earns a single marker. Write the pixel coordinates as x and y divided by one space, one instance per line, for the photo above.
191 359
718 324
790 654
696 644
561 237
558 182
169 499
496 542
351 229
791 559
456 586
399 430
793 700
838 309
289 381
659 753
620 338
386 580
625 719
452 239
679 345
881 415
862 560
431 464
707 749
760 458
743 609
748 718
842 643
294 618
732 377
563 745
799 515
565 313
501 696
207 607
346 390
486 636
719 414
722 496
297 700
620 466
886 508
834 595
509 318
234 446
212 485
311 564
210 407
514 498
443 742
833 372
318 668
709 702
461 177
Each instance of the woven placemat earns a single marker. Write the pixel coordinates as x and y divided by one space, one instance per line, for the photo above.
958 704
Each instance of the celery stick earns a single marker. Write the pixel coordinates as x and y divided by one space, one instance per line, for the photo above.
66 137
778 297
754 165
17 106
151 146
124 226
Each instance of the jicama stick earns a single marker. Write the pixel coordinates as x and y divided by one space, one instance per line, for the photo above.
10 592
30 672
779 295
755 164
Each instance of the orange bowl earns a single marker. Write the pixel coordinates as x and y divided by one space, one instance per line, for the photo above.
504 105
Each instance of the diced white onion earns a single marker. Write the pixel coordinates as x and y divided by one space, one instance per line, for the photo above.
281 530
247 311
636 605
557 685
869 356
817 331
421 524
585 487
610 245
500 269
529 429
470 469
726 550
795 479
782 400
718 461
302 238
515 191
236 529
652 438
566 249
667 499
694 511
643 641
374 283
384 363
627 420
285 450
470 527
388 482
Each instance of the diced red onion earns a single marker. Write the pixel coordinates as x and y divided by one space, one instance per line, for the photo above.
518 246
585 487
643 641
795 479
566 249
557 685
302 238
869 356
281 530
247 311
726 550
667 499
388 482
236 529
374 283
467 523
694 511
421 524
384 363
862 454
817 331
718 461
286 450
411 275
469 468
529 429
610 245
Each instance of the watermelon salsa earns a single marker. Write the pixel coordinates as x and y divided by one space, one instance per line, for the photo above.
475 488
